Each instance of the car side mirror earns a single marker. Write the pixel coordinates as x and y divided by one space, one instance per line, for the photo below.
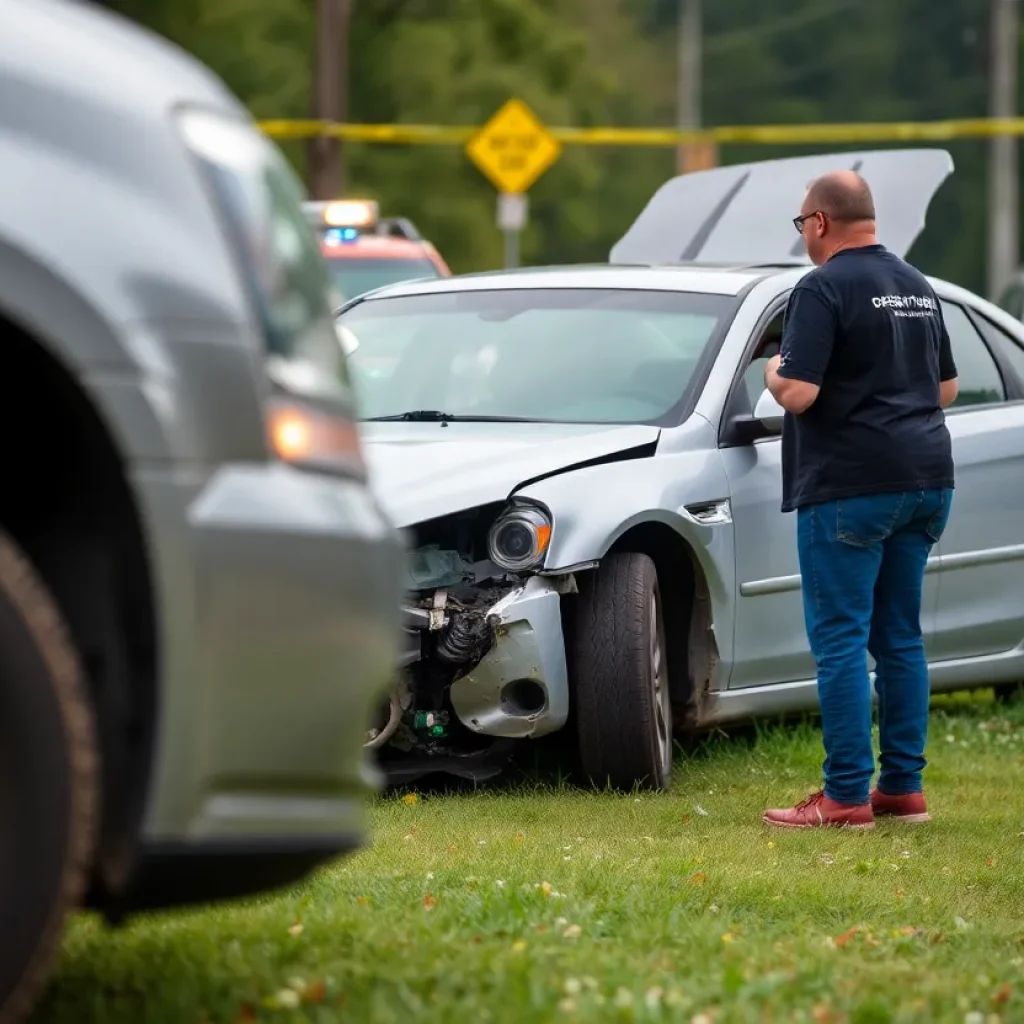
348 341
769 413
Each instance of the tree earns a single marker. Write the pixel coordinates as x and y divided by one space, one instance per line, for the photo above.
807 61
601 62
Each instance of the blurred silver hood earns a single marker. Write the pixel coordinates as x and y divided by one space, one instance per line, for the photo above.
420 471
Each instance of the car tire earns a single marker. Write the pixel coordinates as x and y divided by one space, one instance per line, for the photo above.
1008 693
49 781
620 676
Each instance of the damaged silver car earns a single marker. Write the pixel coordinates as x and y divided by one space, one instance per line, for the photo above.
588 469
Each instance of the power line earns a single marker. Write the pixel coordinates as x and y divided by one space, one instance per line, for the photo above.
785 23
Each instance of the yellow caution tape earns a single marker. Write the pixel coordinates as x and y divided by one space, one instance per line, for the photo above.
392 133
780 134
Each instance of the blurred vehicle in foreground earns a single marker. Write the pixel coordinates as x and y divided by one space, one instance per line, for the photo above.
365 252
198 593
589 469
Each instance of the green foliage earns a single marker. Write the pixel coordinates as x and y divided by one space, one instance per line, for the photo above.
612 62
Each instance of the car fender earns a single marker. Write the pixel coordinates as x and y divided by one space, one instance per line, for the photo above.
86 345
151 391
593 507
42 302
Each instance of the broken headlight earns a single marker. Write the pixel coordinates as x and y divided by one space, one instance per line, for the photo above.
519 538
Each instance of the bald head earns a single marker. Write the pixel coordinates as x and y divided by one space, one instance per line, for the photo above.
842 196
837 213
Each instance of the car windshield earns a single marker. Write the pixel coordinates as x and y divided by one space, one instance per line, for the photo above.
353 276
553 355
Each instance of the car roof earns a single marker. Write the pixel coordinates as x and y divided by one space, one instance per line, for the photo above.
712 279
378 247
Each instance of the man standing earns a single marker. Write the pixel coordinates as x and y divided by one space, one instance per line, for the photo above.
864 373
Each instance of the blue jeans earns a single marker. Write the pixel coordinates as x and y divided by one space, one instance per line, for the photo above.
862 564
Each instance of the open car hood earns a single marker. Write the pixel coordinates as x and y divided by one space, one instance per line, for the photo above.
420 471
744 213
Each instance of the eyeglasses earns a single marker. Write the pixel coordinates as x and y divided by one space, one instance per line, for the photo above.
798 222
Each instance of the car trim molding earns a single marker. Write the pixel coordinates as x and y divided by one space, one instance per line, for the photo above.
936 563
773 585
970 559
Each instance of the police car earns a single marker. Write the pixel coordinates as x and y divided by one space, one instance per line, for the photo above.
364 251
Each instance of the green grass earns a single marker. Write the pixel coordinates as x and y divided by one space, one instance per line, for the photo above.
544 904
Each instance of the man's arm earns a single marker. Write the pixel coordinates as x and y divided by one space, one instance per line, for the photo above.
795 396
949 383
794 376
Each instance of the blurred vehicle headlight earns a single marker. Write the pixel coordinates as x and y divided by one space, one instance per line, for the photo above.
314 439
519 538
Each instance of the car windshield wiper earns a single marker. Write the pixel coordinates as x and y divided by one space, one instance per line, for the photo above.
436 416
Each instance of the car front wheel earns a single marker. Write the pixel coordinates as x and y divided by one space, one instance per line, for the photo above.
620 676
48 781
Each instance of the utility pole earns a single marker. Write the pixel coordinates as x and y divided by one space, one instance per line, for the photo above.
326 156
689 73
691 156
1003 187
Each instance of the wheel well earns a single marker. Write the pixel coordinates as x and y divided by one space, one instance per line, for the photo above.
67 502
686 603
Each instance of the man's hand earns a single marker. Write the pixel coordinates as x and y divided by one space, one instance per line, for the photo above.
771 367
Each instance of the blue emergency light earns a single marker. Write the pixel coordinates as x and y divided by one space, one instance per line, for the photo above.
339 236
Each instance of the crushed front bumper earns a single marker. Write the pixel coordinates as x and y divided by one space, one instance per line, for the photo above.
520 688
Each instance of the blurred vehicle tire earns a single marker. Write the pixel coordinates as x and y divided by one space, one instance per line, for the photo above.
49 781
1008 693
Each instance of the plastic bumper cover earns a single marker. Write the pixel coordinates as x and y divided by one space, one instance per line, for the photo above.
520 688
280 594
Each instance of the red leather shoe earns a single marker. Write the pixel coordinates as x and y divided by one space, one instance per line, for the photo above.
818 811
909 807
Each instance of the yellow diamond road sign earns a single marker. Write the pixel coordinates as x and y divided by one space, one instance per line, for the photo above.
513 148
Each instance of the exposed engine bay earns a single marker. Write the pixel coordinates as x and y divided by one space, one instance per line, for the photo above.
484 658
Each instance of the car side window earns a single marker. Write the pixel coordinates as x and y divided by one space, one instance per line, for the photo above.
1008 347
980 380
753 376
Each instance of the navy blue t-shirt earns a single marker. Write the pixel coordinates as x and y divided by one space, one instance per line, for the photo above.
867 328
